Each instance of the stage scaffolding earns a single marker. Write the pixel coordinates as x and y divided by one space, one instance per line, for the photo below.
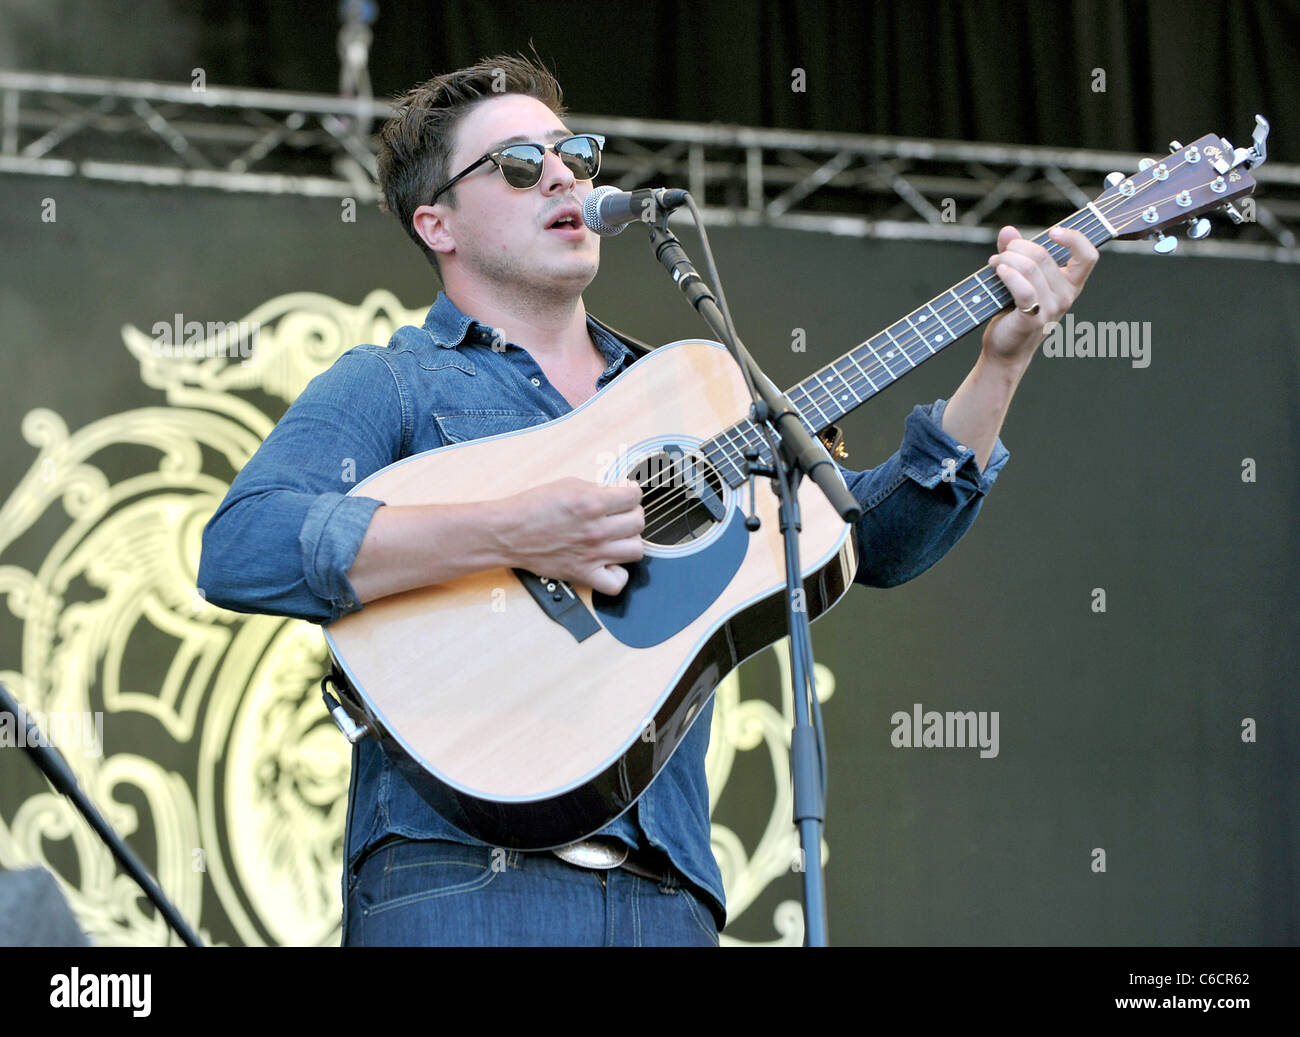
274 142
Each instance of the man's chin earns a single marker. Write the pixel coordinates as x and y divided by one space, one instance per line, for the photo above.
579 273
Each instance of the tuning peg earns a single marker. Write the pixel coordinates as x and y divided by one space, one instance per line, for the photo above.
1253 156
1146 163
1259 137
1174 146
1113 179
1198 229
1232 212
1165 245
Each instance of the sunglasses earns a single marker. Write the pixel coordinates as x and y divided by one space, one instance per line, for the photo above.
521 164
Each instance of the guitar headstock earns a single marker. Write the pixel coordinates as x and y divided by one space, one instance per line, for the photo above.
1205 175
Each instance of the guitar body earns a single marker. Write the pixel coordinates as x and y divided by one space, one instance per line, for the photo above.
530 731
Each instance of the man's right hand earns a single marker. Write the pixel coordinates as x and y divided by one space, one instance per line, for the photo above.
576 531
570 529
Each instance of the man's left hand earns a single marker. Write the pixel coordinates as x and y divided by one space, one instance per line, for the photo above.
1034 280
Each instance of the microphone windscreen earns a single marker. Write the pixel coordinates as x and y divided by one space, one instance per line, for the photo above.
591 213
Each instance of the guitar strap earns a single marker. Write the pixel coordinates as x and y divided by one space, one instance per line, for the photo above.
636 345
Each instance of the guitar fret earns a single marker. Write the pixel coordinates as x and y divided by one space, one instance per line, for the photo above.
716 455
833 406
960 303
812 400
848 385
879 359
874 388
725 443
919 335
876 361
898 348
939 338
991 287
739 447
876 370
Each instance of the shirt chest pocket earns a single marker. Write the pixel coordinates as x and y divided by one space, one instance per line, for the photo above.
465 425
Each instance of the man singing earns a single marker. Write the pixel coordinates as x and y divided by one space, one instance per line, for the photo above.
485 176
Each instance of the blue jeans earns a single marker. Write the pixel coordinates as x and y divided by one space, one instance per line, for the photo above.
428 892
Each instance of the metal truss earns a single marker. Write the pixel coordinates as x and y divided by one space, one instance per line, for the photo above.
275 142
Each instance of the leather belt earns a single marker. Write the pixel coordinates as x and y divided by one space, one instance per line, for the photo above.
603 854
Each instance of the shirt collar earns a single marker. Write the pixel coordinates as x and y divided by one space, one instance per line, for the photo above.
450 328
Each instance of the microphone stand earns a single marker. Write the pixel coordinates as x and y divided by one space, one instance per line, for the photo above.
798 454
56 769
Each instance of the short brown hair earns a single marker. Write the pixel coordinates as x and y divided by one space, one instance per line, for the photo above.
415 144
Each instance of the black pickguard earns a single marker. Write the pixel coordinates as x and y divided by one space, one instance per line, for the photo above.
664 595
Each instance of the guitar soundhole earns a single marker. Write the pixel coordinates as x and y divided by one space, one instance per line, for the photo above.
681 494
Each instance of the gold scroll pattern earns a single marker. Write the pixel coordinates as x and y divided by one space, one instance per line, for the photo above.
225 774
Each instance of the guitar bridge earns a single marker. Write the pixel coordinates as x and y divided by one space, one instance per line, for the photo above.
558 601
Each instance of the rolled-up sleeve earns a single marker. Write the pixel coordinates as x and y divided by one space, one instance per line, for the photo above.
920 502
284 538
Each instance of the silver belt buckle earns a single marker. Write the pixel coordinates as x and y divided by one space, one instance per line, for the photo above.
602 854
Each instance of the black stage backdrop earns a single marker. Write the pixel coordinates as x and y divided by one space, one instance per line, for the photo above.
1120 730
1013 71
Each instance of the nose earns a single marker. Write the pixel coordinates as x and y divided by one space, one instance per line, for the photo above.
557 178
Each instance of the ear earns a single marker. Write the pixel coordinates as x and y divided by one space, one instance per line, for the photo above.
433 230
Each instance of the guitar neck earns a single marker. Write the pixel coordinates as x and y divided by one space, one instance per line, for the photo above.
838 388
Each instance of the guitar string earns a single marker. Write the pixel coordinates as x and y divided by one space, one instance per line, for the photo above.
817 383
1056 250
657 521
906 342
876 366
1087 223
733 453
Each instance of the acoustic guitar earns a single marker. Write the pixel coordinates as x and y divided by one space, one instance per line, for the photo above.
531 713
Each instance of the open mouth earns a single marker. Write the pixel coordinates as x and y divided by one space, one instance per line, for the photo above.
566 220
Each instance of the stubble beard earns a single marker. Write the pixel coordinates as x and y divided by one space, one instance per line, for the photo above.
544 289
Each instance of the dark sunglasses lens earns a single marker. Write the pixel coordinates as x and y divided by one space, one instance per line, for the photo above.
582 156
521 165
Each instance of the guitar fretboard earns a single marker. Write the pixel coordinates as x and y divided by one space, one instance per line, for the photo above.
829 394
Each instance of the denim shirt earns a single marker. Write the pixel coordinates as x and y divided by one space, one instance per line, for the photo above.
284 538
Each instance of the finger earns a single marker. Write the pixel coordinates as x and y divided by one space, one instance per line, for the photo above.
1039 289
1029 259
609 579
623 497
1083 254
1075 242
1063 283
1022 291
1054 281
1006 236
621 526
628 549
1030 250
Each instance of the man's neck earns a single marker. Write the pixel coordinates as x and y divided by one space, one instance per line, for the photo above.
551 328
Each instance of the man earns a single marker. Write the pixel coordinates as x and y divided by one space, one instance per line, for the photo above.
508 344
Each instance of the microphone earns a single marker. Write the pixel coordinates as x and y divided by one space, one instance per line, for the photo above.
608 211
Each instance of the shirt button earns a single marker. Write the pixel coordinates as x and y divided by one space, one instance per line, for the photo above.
961 447
536 381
